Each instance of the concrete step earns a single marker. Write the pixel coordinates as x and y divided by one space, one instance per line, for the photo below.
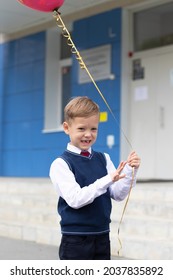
28 201
34 216
41 195
28 212
140 247
47 205
153 191
160 191
26 185
146 231
145 226
44 234
153 209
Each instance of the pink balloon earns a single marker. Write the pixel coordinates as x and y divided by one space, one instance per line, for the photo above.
43 5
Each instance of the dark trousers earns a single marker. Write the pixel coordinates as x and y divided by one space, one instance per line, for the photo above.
85 247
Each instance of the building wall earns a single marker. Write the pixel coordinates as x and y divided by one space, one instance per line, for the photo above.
23 149
1 97
26 151
86 36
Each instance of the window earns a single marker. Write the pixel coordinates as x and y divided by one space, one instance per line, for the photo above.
57 81
66 87
153 27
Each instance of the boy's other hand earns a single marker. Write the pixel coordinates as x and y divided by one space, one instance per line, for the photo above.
117 174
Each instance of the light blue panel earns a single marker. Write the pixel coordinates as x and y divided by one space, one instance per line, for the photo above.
81 34
37 105
105 129
18 107
4 54
38 74
2 50
17 163
111 92
25 50
19 78
109 27
23 107
1 96
98 29
1 113
39 140
25 77
10 81
47 141
41 161
18 136
32 48
116 58
12 53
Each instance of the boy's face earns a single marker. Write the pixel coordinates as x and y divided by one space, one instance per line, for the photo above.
82 131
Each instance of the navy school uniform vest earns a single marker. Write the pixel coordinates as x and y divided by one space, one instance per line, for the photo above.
93 218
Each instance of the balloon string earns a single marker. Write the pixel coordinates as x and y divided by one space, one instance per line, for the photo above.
124 209
82 64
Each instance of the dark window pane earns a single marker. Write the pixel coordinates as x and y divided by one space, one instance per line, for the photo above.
153 27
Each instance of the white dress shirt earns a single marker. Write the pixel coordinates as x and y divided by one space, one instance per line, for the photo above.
64 182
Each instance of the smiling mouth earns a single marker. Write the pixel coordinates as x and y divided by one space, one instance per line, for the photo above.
86 141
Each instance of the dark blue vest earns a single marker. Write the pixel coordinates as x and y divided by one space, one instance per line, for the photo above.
93 218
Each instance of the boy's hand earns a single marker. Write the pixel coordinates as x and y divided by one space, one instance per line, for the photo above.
117 174
134 160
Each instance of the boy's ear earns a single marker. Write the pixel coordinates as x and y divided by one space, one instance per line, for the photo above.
66 127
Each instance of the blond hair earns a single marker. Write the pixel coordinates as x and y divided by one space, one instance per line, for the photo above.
80 106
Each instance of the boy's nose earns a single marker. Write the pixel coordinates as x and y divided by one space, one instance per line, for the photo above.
87 133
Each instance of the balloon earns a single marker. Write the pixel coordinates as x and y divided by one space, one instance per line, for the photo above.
43 5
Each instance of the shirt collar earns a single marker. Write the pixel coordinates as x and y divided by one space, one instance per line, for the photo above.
74 149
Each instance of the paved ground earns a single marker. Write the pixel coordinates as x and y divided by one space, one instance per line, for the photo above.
13 249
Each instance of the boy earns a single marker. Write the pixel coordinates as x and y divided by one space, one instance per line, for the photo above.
86 181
